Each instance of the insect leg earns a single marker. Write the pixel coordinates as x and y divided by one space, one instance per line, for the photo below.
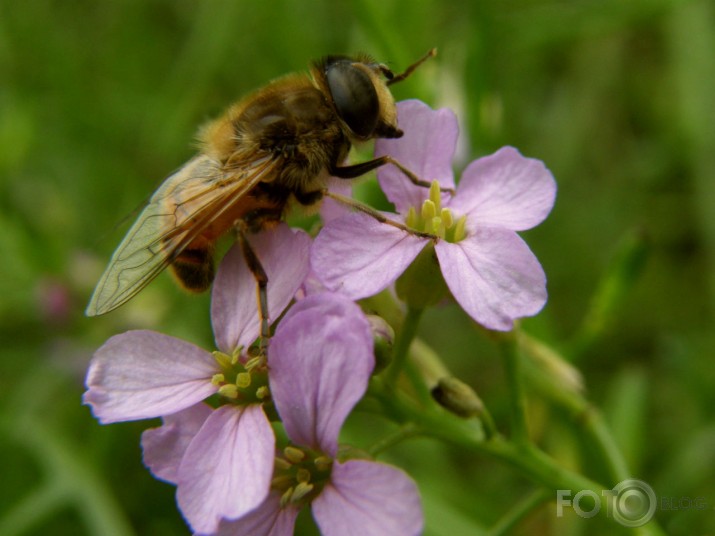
256 268
355 170
379 216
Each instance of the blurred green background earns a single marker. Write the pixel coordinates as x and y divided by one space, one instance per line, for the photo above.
100 100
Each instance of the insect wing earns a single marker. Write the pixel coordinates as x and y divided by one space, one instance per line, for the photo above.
183 206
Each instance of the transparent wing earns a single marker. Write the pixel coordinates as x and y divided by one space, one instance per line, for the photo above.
183 206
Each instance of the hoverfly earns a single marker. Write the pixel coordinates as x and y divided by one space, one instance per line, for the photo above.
278 144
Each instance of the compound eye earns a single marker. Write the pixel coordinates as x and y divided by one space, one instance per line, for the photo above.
354 96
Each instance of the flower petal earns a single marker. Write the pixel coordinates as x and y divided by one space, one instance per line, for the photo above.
331 209
366 497
284 255
320 360
359 256
226 469
144 374
426 149
269 519
505 190
164 447
494 276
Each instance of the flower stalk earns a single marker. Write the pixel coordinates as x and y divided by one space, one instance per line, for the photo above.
406 335
517 399
525 458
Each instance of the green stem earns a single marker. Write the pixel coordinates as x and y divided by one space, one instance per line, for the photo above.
567 396
527 459
416 378
490 428
468 434
519 511
404 432
596 428
404 340
564 395
512 365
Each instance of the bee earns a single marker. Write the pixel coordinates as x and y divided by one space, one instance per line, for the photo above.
277 146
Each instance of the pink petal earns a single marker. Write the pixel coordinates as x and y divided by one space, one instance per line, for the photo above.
269 519
359 256
164 447
320 360
494 276
143 374
311 285
284 255
331 209
226 469
426 149
505 190
366 497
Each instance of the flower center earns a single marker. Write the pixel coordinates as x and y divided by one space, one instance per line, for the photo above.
435 219
300 475
238 382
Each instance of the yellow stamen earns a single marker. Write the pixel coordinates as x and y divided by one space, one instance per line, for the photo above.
236 355
229 391
293 454
243 380
282 464
436 220
280 482
218 379
411 219
254 362
429 210
224 360
447 218
302 475
460 231
438 226
263 392
323 463
435 195
286 497
300 491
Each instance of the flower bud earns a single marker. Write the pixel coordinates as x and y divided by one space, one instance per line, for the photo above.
383 337
458 397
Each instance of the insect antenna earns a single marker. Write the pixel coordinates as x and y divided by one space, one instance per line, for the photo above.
400 77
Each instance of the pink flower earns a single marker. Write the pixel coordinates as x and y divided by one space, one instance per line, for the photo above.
321 360
489 269
220 459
